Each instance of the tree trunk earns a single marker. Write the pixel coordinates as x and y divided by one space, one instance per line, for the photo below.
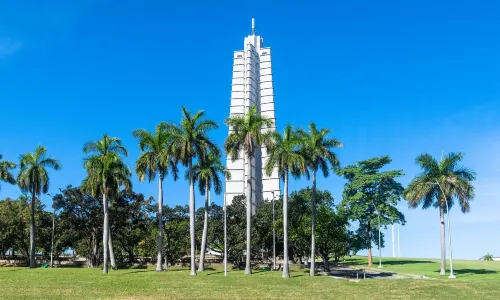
286 272
32 232
111 252
105 231
201 267
248 194
160 224
443 245
192 218
313 225
370 256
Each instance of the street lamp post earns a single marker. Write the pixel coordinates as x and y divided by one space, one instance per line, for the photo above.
225 236
53 230
379 243
452 276
274 239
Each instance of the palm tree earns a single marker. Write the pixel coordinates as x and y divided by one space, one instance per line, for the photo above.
488 257
106 173
318 151
190 140
34 178
5 167
286 155
206 171
437 185
247 134
156 158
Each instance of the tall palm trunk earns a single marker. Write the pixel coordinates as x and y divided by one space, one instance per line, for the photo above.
105 231
313 225
443 245
160 225
191 218
205 233
32 232
248 194
286 273
111 251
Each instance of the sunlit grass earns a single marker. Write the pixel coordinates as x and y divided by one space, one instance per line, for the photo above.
82 283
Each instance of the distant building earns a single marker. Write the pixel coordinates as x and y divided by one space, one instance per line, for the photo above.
252 85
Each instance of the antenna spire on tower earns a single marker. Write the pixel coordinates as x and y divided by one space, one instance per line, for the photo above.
253 26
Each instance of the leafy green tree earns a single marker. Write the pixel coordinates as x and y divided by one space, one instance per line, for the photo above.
106 173
82 220
128 222
248 133
236 226
369 194
206 172
33 177
286 155
300 219
157 157
262 228
5 171
438 185
190 140
318 151
177 228
333 236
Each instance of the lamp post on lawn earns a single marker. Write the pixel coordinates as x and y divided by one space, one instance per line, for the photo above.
452 276
225 236
379 238
53 230
274 239
379 243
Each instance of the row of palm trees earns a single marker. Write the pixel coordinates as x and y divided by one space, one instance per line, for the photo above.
296 152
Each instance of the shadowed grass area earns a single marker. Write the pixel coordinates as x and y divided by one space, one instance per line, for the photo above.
463 269
80 283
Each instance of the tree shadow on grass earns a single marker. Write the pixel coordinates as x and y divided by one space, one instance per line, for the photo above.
215 273
405 262
140 271
470 272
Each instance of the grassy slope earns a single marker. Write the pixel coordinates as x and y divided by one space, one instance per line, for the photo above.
72 283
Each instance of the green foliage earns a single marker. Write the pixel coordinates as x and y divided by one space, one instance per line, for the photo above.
206 172
82 219
14 221
284 153
33 176
190 139
246 133
157 154
5 171
446 176
236 228
488 257
368 194
318 149
106 171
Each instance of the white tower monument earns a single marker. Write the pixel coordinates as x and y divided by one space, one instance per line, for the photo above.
252 85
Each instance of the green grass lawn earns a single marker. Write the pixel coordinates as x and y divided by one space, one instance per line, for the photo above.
476 280
463 269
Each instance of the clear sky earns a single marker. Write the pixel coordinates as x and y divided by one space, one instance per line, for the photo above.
389 77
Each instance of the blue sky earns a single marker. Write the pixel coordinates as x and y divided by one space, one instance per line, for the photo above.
389 77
